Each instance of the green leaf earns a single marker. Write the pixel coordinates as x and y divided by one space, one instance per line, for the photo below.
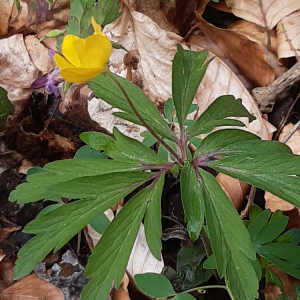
154 285
6 108
153 230
230 241
86 152
149 140
296 289
39 186
255 210
291 236
110 257
218 114
257 267
188 70
73 27
285 256
47 209
257 225
272 230
210 263
106 89
100 223
222 138
183 296
192 199
128 117
168 109
190 269
57 227
265 164
76 9
96 140
93 11
284 297
272 277
111 10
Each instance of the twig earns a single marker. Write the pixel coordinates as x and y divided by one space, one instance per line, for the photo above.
250 201
282 123
267 96
159 139
291 132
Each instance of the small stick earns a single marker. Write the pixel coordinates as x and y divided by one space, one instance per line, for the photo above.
291 132
250 201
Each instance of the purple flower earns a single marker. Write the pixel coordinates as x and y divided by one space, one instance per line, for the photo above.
50 83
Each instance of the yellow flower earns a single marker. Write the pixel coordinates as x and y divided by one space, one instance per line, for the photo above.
84 59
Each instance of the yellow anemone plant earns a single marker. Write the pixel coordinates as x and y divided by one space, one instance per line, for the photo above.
86 58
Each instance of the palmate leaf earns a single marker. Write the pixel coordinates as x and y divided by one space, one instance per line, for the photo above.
192 200
110 257
230 242
106 89
188 70
268 165
39 185
56 228
218 114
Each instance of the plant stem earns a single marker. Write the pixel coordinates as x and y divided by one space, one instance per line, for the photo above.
159 139
201 288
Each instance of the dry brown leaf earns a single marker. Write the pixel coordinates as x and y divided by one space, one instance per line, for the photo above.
7 265
273 202
288 33
122 292
266 13
235 190
16 93
32 288
246 54
17 68
141 259
39 54
5 14
137 32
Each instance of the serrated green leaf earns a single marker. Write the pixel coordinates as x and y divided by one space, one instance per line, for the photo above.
96 140
92 186
57 227
100 223
222 138
149 139
76 9
265 164
218 114
230 241
73 27
106 89
6 107
128 117
192 199
110 257
153 230
257 225
187 72
47 209
39 185
87 3
87 31
272 277
93 11
154 285
271 231
111 10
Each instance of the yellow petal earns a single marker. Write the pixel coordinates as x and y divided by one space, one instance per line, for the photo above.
61 62
78 75
69 51
97 27
94 51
